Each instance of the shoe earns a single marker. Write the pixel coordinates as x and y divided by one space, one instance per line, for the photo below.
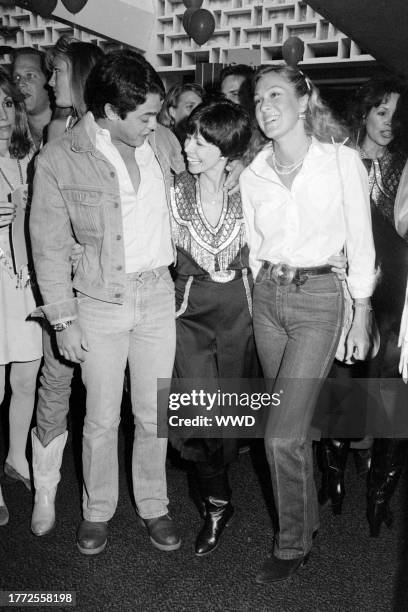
332 459
388 460
218 515
275 570
11 473
4 515
162 533
46 471
378 512
92 537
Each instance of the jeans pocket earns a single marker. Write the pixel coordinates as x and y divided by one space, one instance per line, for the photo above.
166 280
325 286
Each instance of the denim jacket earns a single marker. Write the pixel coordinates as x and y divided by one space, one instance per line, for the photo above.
76 195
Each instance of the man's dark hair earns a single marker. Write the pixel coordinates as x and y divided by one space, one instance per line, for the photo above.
123 79
32 51
224 124
236 70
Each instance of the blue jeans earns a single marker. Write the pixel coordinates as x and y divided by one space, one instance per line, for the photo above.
142 332
54 391
297 329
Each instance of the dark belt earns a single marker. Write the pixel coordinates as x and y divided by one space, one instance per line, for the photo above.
233 274
283 274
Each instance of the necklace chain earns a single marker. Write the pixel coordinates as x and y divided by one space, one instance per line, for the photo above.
286 169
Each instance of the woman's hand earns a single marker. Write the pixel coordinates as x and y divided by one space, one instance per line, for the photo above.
359 339
338 263
234 172
76 254
7 213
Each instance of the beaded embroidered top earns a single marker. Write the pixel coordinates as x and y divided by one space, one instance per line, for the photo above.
216 249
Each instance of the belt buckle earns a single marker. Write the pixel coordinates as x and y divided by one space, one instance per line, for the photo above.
283 274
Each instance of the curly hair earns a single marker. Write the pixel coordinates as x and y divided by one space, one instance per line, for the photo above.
80 58
20 142
319 120
371 95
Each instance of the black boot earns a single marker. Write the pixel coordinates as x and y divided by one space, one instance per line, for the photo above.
332 457
194 492
219 510
388 459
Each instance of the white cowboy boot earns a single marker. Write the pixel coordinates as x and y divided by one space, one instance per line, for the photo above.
46 470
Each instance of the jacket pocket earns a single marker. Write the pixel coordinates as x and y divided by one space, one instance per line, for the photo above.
85 206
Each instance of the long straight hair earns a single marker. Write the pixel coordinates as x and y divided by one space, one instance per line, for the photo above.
80 58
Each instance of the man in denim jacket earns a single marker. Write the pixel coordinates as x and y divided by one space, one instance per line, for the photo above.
107 182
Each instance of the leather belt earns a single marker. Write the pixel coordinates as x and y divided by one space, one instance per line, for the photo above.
283 274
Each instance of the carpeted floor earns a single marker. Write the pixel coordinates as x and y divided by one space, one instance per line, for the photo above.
347 571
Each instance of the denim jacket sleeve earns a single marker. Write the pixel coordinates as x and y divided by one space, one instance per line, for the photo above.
51 242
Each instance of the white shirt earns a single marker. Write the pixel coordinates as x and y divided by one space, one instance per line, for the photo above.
145 215
305 225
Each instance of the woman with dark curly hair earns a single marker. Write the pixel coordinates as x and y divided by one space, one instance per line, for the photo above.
20 338
382 141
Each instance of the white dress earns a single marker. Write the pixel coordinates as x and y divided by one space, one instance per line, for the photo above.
20 339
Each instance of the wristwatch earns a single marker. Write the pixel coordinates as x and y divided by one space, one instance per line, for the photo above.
61 326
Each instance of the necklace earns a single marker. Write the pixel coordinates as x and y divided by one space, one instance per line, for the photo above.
285 169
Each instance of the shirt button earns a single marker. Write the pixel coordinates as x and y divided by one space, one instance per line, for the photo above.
112 174
118 295
119 267
118 237
116 204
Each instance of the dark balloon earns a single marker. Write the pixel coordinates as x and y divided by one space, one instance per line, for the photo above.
44 8
192 4
292 50
186 19
201 26
74 6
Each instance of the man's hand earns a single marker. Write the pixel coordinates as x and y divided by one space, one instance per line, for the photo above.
338 263
72 343
7 213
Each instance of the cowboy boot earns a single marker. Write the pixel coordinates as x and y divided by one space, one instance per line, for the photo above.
216 493
332 457
46 471
388 459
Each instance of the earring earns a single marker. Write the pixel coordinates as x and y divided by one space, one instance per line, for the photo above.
302 115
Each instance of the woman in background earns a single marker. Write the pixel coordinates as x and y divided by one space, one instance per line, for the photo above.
20 338
178 105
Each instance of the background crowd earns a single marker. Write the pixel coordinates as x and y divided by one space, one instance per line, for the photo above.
263 204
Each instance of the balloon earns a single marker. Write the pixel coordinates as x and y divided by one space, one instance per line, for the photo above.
74 6
201 26
186 19
43 7
292 50
192 4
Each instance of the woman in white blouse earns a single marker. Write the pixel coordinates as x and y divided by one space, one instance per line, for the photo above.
304 197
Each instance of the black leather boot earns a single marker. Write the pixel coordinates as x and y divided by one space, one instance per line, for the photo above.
219 511
332 458
388 459
194 492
